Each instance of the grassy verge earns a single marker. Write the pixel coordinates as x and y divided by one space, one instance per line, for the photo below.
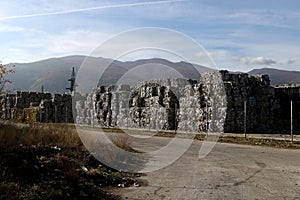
63 135
277 143
48 161
240 139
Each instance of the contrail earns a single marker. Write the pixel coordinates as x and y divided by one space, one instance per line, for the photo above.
89 9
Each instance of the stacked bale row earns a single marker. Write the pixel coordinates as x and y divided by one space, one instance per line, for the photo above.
44 106
216 103
285 94
161 104
153 105
260 102
62 108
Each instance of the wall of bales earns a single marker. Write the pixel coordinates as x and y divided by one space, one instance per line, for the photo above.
260 99
41 107
284 95
192 106
214 103
167 104
268 107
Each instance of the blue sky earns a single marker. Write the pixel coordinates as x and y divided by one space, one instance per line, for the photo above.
238 35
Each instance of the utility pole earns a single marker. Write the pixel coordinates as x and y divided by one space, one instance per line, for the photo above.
206 107
72 82
46 114
245 119
127 115
55 113
93 116
175 117
292 121
66 113
149 117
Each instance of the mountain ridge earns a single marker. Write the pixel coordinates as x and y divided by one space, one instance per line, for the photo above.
53 73
278 76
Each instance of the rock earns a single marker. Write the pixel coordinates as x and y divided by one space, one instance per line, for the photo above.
82 194
84 169
135 184
57 170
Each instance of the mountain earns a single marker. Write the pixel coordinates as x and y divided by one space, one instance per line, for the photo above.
54 73
277 76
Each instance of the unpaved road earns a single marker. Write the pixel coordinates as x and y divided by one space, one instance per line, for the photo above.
230 171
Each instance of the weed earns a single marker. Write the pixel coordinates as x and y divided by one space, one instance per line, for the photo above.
14 134
69 168
9 191
121 140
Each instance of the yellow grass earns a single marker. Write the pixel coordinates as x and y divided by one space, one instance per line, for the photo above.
63 135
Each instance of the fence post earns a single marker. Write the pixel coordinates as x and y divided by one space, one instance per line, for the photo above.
207 125
245 119
292 121
66 113
175 118
93 116
149 117
55 113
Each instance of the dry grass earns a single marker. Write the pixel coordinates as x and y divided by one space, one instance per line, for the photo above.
121 140
261 142
69 168
240 139
63 135
9 191
47 161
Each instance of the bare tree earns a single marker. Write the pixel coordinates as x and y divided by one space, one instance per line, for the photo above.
4 72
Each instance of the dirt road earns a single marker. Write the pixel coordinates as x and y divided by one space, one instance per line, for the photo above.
230 171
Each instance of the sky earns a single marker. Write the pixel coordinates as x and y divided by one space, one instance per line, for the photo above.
237 35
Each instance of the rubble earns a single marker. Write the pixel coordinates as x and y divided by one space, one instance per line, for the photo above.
40 172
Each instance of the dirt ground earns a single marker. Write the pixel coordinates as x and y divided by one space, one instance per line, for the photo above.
30 172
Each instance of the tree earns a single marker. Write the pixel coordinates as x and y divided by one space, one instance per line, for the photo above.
4 72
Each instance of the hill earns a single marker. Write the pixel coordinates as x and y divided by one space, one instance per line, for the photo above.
54 73
278 76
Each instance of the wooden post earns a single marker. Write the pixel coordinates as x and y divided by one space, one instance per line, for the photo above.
127 115
93 115
245 119
55 113
175 117
206 107
149 117
66 113
292 121
46 114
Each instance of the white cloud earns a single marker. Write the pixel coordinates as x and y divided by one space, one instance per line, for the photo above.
145 3
257 61
274 18
19 53
221 30
79 41
43 45
290 61
10 28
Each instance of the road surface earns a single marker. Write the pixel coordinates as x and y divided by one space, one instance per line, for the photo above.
230 171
